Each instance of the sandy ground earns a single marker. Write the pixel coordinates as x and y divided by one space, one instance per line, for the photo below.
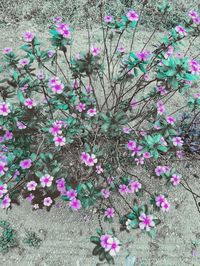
66 234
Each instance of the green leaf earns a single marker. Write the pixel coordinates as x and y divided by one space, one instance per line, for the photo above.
20 96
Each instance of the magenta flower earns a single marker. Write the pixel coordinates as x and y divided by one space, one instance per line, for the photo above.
21 125
162 91
109 213
105 193
121 49
51 53
31 185
64 30
92 112
104 241
181 30
58 88
46 180
134 186
144 55
95 50
40 75
7 50
194 67
75 84
55 129
24 61
30 197
61 185
159 200
91 160
57 19
193 14
131 145
137 151
4 109
99 169
175 179
88 89
5 202
75 204
3 168
146 222
159 170
126 130
113 246
84 157
165 206
47 201
3 189
132 15
177 141
28 36
26 164
72 193
160 107
59 141
108 18
81 107
29 103
170 120
123 189
147 155
139 161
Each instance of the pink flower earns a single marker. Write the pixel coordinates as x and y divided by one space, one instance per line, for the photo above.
26 163
30 197
146 222
3 189
91 160
47 201
169 52
8 135
4 109
95 50
113 246
7 50
46 180
126 130
181 30
81 107
75 204
104 241
179 154
75 84
146 77
139 161
177 141
175 179
64 30
147 155
31 185
24 61
108 18
159 200
61 185
92 112
5 202
132 15
28 36
134 186
21 125
161 90
88 89
29 103
55 129
170 120
84 157
159 170
123 189
99 169
57 19
59 141
105 193
72 193
160 108
121 49
109 213
136 150
196 20
51 53
194 67
131 145
193 14
165 206
40 75
144 55
58 88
